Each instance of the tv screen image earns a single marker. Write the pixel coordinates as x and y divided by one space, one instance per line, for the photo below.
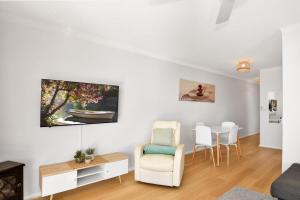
73 103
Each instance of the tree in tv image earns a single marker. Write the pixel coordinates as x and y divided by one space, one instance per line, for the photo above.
70 103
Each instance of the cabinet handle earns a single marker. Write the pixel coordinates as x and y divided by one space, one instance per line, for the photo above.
19 185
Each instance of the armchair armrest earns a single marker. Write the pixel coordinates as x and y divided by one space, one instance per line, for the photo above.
138 153
178 165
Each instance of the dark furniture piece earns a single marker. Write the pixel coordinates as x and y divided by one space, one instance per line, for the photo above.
11 180
287 185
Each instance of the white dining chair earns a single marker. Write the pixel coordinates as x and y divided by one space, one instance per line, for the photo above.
231 140
195 146
204 139
230 125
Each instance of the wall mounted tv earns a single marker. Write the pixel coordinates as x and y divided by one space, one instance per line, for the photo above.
74 103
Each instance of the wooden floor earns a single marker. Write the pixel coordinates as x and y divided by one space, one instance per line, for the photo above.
256 170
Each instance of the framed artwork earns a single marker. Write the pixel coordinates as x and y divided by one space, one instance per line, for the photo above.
272 105
196 91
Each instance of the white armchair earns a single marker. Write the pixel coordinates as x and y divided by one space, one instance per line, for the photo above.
158 168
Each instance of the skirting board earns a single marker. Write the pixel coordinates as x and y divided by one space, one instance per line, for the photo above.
270 147
250 134
32 196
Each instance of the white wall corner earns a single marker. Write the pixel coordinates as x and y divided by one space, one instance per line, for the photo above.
290 28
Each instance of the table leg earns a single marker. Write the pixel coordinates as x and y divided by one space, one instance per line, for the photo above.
120 180
51 197
218 150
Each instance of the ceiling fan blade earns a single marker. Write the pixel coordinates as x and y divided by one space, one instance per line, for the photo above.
225 11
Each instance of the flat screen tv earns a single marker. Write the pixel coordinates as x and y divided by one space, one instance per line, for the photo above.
74 103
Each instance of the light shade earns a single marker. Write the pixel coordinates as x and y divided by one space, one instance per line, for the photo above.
243 65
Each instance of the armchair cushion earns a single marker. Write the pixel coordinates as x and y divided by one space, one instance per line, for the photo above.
159 149
157 162
163 136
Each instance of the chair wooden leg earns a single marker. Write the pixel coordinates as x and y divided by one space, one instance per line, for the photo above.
239 145
221 154
205 153
194 152
212 155
227 155
237 151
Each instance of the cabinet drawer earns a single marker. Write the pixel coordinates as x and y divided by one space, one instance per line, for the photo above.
114 169
59 183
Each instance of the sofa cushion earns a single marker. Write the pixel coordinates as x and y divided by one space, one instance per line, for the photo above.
159 149
157 162
287 185
163 136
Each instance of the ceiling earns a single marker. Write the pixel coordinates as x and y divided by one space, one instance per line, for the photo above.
182 31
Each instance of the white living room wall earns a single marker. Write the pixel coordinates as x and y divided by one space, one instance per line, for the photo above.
148 92
291 97
270 133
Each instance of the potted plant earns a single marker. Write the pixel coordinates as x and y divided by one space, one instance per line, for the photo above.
88 159
91 152
79 156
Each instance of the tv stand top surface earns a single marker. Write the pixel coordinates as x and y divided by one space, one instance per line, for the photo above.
57 168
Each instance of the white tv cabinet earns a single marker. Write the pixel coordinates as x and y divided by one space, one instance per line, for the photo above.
69 175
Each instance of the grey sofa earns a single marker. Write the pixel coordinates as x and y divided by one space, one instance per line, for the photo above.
287 185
